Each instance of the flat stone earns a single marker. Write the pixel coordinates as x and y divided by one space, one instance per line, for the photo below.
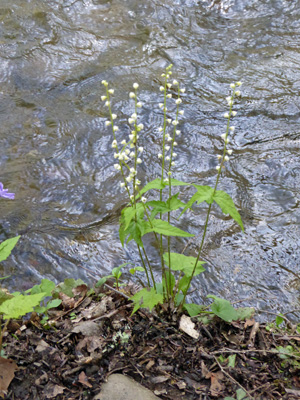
121 387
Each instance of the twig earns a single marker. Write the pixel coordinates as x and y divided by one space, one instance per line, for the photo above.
117 291
232 379
253 351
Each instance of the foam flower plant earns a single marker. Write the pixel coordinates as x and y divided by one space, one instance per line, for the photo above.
144 215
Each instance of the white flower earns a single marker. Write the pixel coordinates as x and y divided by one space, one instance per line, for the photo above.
175 144
227 141
219 156
226 158
116 155
107 123
127 151
161 88
140 126
114 116
139 104
138 161
122 184
169 84
138 182
167 135
159 155
123 142
234 113
167 148
160 129
169 173
131 137
178 132
169 139
103 98
218 167
228 98
129 178
161 105
169 96
226 115
131 145
114 144
132 95
229 151
223 136
182 90
181 112
107 103
130 120
111 91
174 123
173 163
132 154
135 85
140 149
131 197
104 83
169 120
232 85
163 75
117 166
121 156
166 180
239 83
126 158
115 128
237 93
170 72
143 199
175 82
167 158
178 101
232 128
174 155
134 116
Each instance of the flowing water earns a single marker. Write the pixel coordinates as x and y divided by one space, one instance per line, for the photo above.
56 152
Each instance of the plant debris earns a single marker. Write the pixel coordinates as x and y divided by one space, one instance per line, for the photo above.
92 337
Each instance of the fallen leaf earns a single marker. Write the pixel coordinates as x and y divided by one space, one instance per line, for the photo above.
187 326
7 373
160 379
216 386
82 378
51 391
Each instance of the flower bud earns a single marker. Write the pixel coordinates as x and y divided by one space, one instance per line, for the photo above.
135 85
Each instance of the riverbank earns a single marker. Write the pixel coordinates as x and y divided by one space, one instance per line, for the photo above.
93 335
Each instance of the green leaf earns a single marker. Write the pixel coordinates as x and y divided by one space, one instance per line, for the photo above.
7 246
240 394
158 185
173 203
244 313
4 296
231 360
204 193
20 305
180 262
164 228
147 299
133 270
227 206
103 280
53 303
223 309
279 320
46 286
193 309
67 286
5 277
183 284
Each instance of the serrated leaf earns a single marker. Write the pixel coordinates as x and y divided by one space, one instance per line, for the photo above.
204 193
69 284
20 305
223 309
158 185
244 313
46 286
147 299
180 262
193 309
7 246
227 206
164 228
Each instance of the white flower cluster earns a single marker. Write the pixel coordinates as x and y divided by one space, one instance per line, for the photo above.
168 140
127 153
228 115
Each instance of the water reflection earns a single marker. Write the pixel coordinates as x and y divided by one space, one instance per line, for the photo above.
56 154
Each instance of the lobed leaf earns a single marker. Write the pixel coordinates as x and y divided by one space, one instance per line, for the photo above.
204 193
147 299
20 305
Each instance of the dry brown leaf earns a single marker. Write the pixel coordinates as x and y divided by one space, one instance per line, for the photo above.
216 386
187 326
249 322
160 379
7 373
80 290
51 391
82 378
67 302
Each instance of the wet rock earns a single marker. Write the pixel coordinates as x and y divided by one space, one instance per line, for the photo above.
121 387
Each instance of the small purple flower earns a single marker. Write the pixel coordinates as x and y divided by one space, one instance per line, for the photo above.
5 194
